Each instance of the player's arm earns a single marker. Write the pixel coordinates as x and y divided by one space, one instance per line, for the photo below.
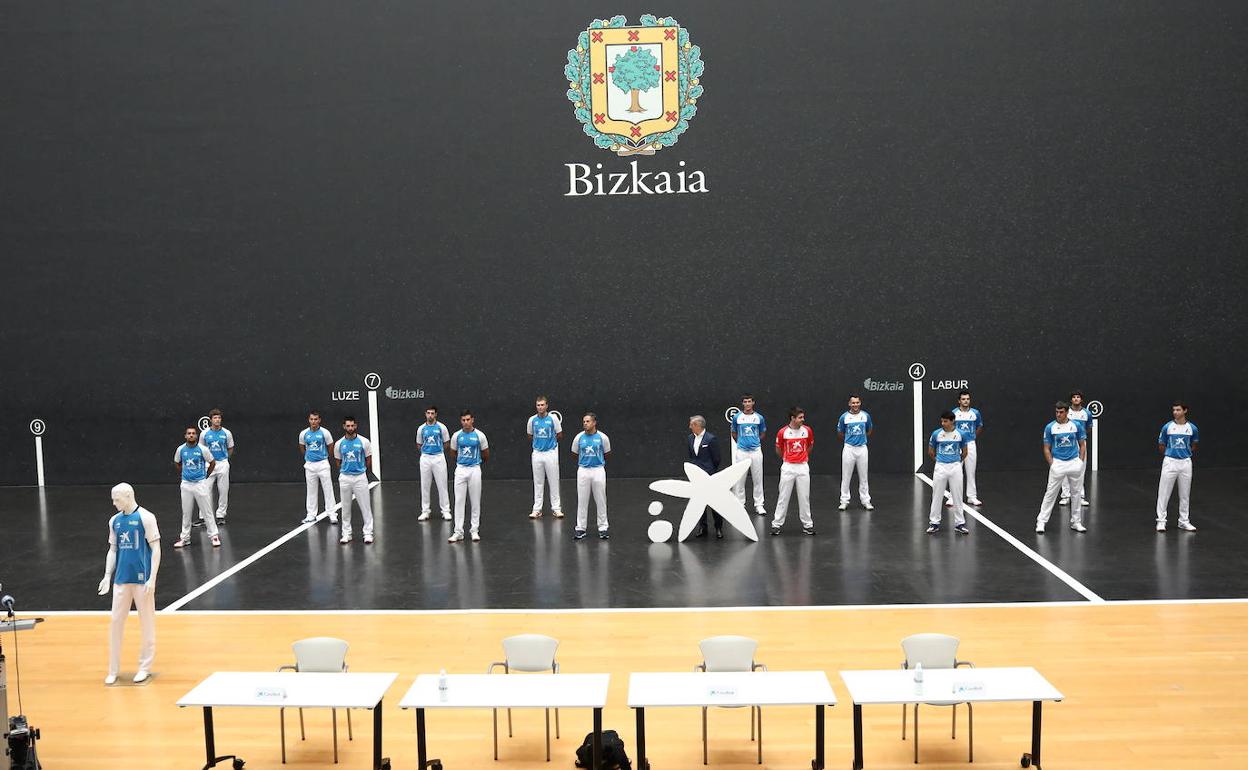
606 446
931 446
485 454
229 445
335 457
964 451
1048 453
151 578
110 564
779 447
1083 449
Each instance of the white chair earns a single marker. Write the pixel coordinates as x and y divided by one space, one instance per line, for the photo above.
731 653
528 653
936 651
318 654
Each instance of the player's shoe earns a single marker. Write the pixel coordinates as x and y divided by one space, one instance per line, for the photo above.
1086 501
961 529
932 528
1039 528
578 535
1078 528
446 516
423 517
141 677
775 531
110 679
1064 501
344 539
1187 526
604 535
535 515
216 541
1161 526
476 536
455 537
181 542
309 519
974 501
557 514
808 530
842 506
368 540
868 507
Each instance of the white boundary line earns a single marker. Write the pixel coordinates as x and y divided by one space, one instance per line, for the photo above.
636 610
1058 572
213 583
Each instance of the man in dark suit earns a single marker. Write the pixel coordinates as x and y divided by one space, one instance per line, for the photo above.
703 451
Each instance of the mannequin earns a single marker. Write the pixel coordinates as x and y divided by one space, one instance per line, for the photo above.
131 567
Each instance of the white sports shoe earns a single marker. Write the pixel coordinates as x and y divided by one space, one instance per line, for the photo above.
974 501
1187 526
1161 526
535 515
333 519
1078 528
140 677
1039 529
423 517
1086 501
446 517
110 679
309 519
344 539
455 538
868 506
368 540
842 506
557 514
476 536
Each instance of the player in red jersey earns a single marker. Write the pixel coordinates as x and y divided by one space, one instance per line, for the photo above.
793 445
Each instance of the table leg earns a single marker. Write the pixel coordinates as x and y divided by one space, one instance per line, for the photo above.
642 762
421 754
210 742
597 749
858 736
818 763
1035 734
379 762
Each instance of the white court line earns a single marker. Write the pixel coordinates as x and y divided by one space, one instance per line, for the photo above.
1058 572
206 587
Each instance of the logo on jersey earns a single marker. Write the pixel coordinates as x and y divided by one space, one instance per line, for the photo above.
948 449
431 439
589 450
1179 442
1064 440
124 540
855 429
746 430
314 446
543 432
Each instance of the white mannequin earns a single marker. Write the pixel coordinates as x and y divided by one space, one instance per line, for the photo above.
141 594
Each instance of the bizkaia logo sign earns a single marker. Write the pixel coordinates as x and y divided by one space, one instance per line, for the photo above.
634 91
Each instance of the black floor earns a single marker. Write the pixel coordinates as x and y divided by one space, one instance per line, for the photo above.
54 542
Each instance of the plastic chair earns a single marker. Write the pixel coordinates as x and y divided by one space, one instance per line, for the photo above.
529 653
936 651
322 654
731 653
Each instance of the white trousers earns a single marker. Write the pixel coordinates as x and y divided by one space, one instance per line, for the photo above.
1173 470
854 458
220 480
467 487
433 468
1066 482
794 475
357 487
197 492
591 481
946 476
969 464
312 474
1063 473
125 595
755 456
546 468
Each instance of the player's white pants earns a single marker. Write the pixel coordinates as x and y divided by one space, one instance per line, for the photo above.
591 481
1173 470
197 492
467 488
312 473
1067 471
969 464
755 456
546 467
433 468
124 595
794 475
357 487
946 476
1066 482
220 480
854 457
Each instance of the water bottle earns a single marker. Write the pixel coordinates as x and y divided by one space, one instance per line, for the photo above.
918 673
442 680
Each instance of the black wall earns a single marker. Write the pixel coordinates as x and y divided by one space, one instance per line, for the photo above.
252 204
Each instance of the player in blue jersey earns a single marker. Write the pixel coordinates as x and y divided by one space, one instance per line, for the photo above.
947 448
431 439
195 463
591 447
855 427
314 447
220 441
354 455
1065 447
970 423
546 431
471 448
1177 445
1082 416
130 568
748 429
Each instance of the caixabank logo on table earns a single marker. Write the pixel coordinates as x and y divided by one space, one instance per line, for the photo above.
634 91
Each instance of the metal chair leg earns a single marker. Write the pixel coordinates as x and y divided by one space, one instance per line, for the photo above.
752 724
282 717
509 735
704 735
495 711
547 735
954 733
903 721
350 735
760 735
334 713
970 741
556 724
916 733
303 736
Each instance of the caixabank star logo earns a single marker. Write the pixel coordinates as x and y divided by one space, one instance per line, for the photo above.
635 89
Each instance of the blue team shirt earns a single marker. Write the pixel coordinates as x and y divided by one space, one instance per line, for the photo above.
218 442
468 446
545 432
315 444
1178 439
948 445
1063 440
431 438
134 552
194 461
749 429
967 423
854 427
351 453
591 449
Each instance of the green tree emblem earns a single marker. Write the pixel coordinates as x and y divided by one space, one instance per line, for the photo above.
634 72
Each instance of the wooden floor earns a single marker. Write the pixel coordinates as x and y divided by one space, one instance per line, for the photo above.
1148 686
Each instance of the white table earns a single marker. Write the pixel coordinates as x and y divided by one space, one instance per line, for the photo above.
962 685
250 689
496 691
745 688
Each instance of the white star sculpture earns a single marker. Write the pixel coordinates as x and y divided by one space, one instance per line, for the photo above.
703 489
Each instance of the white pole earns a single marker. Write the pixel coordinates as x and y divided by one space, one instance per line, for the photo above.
374 433
1096 443
39 458
918 425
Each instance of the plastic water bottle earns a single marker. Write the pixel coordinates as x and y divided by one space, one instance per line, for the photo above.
442 680
918 673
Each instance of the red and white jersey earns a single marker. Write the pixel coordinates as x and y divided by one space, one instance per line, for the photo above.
795 444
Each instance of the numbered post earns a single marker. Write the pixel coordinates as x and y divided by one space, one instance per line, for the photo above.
204 423
1096 409
917 372
38 428
372 381
729 413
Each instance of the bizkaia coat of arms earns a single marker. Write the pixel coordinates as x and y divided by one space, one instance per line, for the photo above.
635 89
